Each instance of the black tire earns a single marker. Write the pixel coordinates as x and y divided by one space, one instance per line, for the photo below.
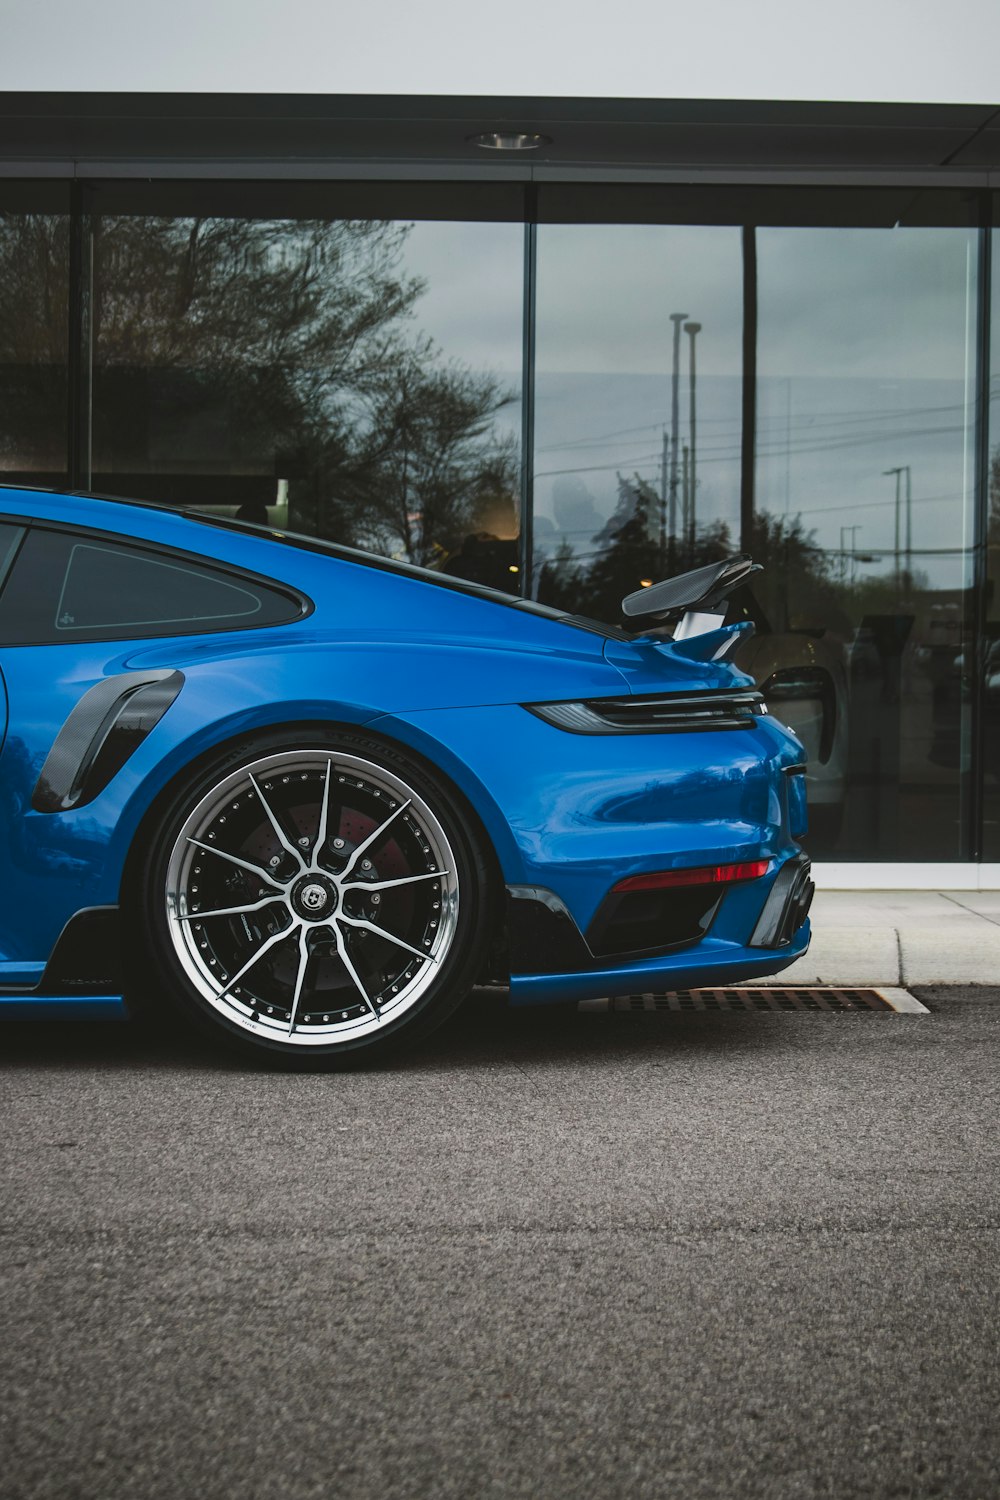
315 897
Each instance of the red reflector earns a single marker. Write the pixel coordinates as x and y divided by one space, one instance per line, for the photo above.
707 875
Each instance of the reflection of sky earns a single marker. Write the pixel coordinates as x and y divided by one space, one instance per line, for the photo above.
606 292
590 428
604 354
866 362
823 449
885 304
473 305
865 344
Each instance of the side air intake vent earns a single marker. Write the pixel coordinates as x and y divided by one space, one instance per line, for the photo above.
664 714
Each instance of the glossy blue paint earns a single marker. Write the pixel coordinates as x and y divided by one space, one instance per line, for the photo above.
586 811
437 670
712 963
63 1008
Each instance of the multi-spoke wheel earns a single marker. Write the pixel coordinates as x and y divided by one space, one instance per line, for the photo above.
314 899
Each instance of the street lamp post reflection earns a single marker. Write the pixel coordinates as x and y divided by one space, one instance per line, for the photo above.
692 330
899 470
677 319
853 554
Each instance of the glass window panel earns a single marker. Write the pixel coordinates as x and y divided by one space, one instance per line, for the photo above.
864 520
64 588
113 586
354 379
638 417
34 335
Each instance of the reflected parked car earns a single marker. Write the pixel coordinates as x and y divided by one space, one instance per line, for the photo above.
993 670
804 682
803 675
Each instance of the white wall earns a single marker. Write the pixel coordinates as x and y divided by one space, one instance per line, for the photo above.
944 51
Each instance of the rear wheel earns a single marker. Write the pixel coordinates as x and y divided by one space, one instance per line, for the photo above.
317 900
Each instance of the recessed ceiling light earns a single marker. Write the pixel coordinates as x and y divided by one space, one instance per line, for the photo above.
508 140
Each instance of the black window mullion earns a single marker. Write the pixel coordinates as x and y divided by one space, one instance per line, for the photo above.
974 829
528 388
748 424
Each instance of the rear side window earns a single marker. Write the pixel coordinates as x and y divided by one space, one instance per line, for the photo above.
66 586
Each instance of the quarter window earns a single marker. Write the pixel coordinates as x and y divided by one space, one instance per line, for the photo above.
71 587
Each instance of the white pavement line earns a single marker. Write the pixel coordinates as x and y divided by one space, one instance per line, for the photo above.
902 1001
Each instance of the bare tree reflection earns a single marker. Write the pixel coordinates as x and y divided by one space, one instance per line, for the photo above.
230 354
300 338
34 276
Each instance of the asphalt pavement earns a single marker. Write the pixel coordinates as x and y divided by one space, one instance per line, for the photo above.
547 1255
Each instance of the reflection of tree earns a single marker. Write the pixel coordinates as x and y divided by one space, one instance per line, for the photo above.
305 327
434 468
34 278
267 348
625 552
801 588
623 549
797 589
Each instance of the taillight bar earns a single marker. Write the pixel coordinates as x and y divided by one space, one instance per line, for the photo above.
707 875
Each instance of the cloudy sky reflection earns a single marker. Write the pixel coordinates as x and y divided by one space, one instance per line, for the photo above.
865 345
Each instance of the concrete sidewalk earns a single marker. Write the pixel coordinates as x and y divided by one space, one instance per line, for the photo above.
901 938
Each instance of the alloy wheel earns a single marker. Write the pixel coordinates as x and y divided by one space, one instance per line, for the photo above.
312 897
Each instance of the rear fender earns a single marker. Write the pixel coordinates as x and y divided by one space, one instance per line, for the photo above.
194 749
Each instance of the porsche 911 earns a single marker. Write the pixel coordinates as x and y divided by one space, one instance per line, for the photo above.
309 798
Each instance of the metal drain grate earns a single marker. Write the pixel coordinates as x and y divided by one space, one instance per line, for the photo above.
755 997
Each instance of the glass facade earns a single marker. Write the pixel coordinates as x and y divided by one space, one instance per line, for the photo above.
865 512
638 381
569 392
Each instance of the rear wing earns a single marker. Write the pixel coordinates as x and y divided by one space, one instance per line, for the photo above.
697 600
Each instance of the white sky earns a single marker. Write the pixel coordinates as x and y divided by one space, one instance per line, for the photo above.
903 50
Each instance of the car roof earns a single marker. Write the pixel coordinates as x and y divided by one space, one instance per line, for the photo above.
322 547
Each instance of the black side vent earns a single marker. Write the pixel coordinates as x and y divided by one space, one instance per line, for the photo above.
787 905
108 723
663 714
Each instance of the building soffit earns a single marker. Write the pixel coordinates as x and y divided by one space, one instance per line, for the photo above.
410 137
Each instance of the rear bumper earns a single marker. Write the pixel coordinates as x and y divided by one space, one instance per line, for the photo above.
574 814
756 929
787 905
713 963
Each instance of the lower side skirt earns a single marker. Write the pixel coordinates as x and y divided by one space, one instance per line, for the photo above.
36 1007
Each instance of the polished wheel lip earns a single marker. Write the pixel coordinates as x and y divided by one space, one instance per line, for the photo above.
302 872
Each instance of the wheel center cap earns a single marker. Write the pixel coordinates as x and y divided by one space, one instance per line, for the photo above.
314 897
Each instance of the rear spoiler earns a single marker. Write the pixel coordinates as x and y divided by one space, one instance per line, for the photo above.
696 600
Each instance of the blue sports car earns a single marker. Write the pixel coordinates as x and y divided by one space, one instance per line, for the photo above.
308 797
